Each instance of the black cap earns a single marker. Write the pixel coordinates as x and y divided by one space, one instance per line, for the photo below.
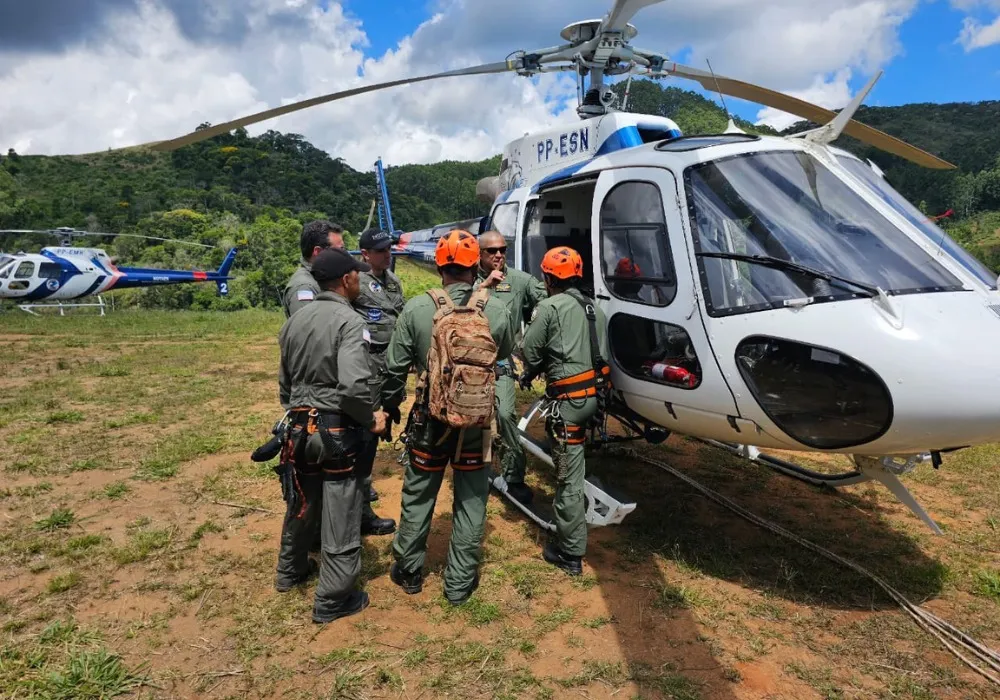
373 239
334 263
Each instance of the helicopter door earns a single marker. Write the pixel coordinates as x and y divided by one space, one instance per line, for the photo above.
662 362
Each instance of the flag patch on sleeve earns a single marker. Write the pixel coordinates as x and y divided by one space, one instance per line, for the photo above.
366 335
304 295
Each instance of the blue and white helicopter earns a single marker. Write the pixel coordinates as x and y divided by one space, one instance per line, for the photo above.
761 292
64 273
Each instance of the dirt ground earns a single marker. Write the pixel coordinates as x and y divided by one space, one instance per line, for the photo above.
138 546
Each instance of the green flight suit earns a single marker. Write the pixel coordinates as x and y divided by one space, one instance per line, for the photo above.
557 342
521 292
324 365
380 303
410 344
300 289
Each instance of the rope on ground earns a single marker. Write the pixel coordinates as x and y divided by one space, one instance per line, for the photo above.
945 633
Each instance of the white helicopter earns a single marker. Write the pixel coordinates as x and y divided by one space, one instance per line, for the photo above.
762 292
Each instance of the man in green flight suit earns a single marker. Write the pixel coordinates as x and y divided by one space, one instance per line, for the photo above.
379 303
457 256
301 288
521 292
559 342
324 384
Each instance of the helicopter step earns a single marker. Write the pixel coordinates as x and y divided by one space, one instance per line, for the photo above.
605 506
885 470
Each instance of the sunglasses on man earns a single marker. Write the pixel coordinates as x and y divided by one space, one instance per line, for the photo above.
494 251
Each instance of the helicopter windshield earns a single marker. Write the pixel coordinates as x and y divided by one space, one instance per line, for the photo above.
788 205
5 266
934 232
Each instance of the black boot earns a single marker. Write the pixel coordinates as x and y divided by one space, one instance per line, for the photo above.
283 585
570 564
520 492
410 583
372 494
357 602
371 524
468 593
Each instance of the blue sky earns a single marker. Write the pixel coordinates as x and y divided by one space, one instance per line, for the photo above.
137 71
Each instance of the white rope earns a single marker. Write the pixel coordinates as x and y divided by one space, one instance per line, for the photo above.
948 635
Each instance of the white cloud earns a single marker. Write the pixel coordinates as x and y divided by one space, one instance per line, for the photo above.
975 34
159 73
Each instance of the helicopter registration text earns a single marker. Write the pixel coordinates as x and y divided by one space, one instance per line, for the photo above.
564 145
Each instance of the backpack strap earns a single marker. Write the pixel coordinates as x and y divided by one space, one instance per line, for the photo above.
440 298
478 299
601 368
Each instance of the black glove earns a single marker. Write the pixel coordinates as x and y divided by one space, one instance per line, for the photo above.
394 415
524 381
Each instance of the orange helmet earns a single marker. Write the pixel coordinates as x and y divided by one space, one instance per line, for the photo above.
627 268
563 263
457 248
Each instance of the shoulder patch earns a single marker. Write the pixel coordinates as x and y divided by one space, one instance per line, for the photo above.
305 295
374 315
375 286
366 335
534 314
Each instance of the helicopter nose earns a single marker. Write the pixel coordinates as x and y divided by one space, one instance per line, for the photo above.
853 379
941 371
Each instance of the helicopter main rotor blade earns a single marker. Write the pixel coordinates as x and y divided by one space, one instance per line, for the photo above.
807 110
622 12
209 132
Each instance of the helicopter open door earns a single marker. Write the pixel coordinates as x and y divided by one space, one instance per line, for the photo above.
662 359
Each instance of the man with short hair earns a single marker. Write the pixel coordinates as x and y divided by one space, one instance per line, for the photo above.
520 292
431 445
301 287
379 302
567 340
324 384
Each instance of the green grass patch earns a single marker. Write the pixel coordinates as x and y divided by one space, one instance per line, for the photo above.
115 490
141 544
58 520
988 584
64 417
64 582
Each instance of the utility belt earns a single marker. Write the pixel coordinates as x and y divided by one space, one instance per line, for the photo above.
323 441
584 385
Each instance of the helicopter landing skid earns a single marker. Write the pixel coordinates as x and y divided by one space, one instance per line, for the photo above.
885 470
28 308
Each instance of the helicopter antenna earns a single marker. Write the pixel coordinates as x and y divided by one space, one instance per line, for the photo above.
731 126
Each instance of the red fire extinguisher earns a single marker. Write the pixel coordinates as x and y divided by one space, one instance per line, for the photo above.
670 373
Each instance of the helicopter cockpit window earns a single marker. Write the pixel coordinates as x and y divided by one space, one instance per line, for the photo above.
48 271
636 259
5 267
937 236
25 270
654 351
504 220
789 207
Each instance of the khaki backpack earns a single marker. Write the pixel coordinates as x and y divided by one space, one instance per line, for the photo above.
461 366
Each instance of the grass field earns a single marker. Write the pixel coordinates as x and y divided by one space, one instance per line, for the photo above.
138 546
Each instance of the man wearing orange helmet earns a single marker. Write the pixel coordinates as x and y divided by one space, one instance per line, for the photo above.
567 340
430 443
